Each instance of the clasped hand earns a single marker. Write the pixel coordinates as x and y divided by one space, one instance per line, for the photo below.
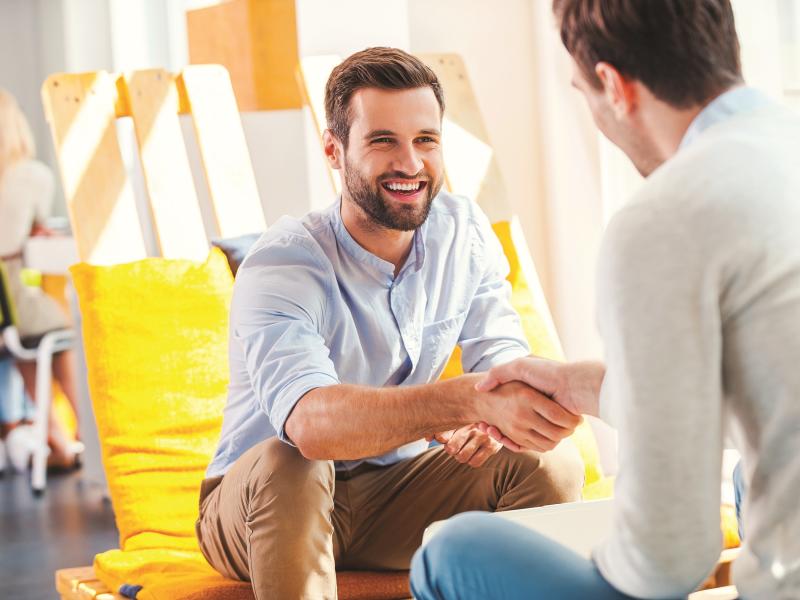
531 404
468 445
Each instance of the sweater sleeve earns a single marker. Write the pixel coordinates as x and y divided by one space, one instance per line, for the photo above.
658 312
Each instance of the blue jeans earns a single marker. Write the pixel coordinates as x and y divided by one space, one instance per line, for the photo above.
477 556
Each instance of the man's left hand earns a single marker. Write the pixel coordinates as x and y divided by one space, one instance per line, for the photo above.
468 445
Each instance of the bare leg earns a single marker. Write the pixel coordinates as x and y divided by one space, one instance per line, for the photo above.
64 371
57 438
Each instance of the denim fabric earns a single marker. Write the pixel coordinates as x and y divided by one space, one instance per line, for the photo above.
477 556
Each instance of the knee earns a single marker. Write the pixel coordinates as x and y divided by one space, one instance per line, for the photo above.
565 470
559 474
281 471
455 552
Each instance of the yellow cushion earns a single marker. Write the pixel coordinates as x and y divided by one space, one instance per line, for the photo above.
155 338
730 527
542 344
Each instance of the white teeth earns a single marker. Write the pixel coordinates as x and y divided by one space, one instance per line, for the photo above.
403 187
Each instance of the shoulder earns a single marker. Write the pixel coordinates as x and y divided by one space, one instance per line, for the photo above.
292 252
453 216
712 191
455 209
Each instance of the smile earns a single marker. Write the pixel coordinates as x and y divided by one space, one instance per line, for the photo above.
404 188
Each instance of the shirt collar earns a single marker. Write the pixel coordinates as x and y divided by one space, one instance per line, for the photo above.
358 252
737 101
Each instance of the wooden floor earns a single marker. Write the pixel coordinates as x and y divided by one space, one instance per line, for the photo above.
64 528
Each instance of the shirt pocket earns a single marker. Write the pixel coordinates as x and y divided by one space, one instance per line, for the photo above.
439 339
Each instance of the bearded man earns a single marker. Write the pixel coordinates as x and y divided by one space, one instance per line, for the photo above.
341 323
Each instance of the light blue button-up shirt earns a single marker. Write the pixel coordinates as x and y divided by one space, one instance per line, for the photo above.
311 308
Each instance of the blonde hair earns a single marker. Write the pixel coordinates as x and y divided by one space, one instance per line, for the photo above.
16 139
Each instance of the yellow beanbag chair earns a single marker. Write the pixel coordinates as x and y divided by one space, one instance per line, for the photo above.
155 337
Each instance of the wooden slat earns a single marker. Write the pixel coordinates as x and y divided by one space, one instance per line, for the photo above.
223 150
469 159
80 583
80 109
178 222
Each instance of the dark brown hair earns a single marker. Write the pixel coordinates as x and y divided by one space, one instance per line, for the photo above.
384 68
684 51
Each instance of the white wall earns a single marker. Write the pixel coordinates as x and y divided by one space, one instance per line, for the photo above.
504 79
20 61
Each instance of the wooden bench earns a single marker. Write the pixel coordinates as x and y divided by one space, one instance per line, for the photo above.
81 584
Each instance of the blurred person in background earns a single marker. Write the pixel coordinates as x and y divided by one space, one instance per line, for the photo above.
26 197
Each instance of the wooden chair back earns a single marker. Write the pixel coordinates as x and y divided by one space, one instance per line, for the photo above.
83 109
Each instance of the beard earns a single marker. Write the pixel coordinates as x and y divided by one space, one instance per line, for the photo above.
370 198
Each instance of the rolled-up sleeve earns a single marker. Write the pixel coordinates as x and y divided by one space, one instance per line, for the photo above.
276 316
492 333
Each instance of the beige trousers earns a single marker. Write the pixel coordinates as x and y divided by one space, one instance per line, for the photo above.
286 523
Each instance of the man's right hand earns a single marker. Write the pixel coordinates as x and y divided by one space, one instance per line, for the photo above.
526 417
575 386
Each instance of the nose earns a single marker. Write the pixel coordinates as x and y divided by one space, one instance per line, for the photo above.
407 160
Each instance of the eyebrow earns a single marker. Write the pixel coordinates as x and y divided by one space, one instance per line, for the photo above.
382 132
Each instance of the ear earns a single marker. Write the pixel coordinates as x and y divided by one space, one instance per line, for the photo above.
620 92
334 151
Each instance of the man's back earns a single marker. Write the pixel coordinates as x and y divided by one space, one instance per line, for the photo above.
707 259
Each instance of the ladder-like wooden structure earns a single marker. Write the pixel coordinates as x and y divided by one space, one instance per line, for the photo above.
109 226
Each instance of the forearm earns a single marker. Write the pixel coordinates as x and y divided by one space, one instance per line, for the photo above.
348 422
584 380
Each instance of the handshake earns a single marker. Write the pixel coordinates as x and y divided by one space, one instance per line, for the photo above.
527 404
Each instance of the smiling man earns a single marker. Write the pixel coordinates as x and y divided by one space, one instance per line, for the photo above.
341 323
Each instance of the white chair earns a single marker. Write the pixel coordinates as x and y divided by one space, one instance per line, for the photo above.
40 351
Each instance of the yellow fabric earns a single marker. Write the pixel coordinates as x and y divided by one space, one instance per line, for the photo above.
63 412
155 338
165 574
600 489
730 527
542 344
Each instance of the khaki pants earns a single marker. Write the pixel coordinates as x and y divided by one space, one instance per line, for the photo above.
286 523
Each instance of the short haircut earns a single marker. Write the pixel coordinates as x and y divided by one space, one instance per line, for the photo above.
684 51
383 68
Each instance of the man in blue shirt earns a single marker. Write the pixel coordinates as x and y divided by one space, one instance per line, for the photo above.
341 324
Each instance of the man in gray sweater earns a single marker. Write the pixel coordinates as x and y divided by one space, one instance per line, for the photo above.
699 309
